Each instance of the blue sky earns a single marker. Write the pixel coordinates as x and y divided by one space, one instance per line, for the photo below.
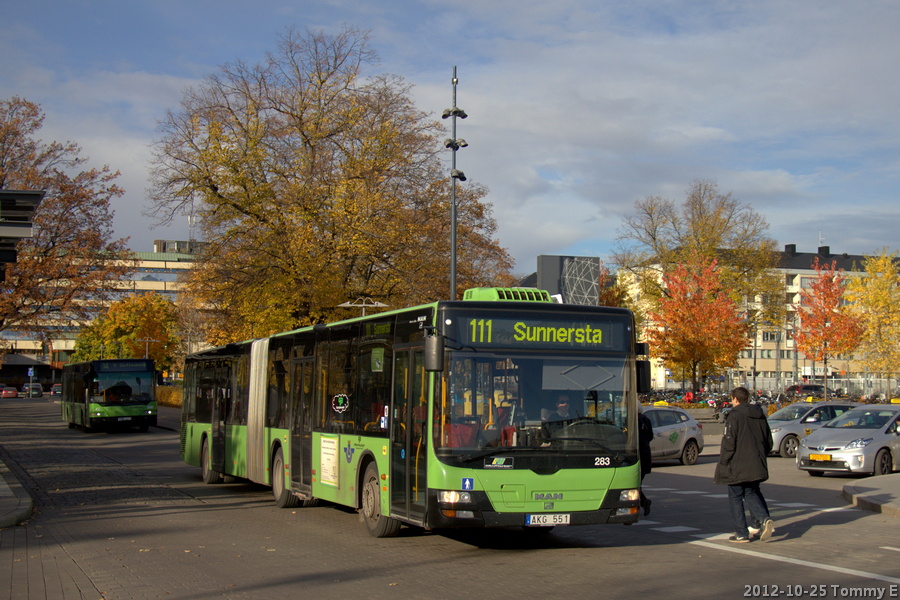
576 108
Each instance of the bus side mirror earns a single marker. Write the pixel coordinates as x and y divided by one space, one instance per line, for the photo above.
434 351
643 376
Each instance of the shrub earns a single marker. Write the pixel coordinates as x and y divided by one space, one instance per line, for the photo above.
168 395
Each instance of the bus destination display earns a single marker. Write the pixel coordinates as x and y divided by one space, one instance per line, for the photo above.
529 331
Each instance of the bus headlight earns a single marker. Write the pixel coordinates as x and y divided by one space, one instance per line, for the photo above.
629 495
454 497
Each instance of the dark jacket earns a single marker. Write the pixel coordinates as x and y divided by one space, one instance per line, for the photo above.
645 436
746 443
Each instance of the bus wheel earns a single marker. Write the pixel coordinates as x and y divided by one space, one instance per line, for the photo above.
376 523
209 476
283 497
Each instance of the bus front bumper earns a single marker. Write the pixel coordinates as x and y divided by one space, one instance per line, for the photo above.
480 513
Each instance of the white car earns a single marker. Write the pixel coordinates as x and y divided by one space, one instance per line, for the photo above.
863 440
676 434
796 421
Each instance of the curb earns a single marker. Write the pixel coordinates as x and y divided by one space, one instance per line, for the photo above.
870 499
16 504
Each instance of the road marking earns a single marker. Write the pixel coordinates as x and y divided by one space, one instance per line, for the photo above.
840 508
890 548
793 561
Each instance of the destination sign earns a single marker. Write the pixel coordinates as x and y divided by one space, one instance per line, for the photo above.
529 330
119 366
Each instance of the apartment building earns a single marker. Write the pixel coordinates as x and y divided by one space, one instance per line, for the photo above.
772 362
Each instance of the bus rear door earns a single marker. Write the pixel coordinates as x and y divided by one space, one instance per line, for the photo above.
221 395
301 425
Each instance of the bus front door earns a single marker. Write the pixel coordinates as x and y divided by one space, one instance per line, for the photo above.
301 425
409 436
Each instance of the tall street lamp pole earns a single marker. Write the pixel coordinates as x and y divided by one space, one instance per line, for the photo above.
454 144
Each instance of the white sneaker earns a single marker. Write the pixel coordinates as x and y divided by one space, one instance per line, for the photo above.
768 529
754 531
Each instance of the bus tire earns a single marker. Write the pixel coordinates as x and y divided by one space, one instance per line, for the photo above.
283 497
377 524
209 476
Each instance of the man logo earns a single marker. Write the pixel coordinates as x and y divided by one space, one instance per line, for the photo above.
549 496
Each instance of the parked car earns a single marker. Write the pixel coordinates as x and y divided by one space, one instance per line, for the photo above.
807 390
9 392
32 390
56 389
796 421
865 440
676 434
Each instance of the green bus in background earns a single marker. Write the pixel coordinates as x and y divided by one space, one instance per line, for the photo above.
109 393
437 416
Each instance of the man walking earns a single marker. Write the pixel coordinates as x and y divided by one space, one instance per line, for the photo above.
742 465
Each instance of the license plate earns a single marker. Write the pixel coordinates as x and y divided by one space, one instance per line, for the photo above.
546 520
124 418
819 457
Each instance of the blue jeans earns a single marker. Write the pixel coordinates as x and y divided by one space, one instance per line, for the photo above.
746 495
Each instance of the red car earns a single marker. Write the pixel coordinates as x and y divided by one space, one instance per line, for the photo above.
9 392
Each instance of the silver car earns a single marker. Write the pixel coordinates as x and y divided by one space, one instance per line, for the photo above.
865 440
796 421
676 434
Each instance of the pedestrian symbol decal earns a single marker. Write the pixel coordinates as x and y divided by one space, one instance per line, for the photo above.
468 483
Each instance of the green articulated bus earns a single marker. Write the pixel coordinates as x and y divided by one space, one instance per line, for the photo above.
438 416
109 393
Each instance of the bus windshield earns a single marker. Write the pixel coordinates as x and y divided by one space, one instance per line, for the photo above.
539 403
120 387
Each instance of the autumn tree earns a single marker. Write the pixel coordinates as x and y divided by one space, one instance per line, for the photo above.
827 326
62 274
134 327
696 326
873 298
313 186
712 225
611 292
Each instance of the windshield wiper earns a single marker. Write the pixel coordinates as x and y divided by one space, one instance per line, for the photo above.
493 452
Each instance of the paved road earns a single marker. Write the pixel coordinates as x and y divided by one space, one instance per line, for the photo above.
119 516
